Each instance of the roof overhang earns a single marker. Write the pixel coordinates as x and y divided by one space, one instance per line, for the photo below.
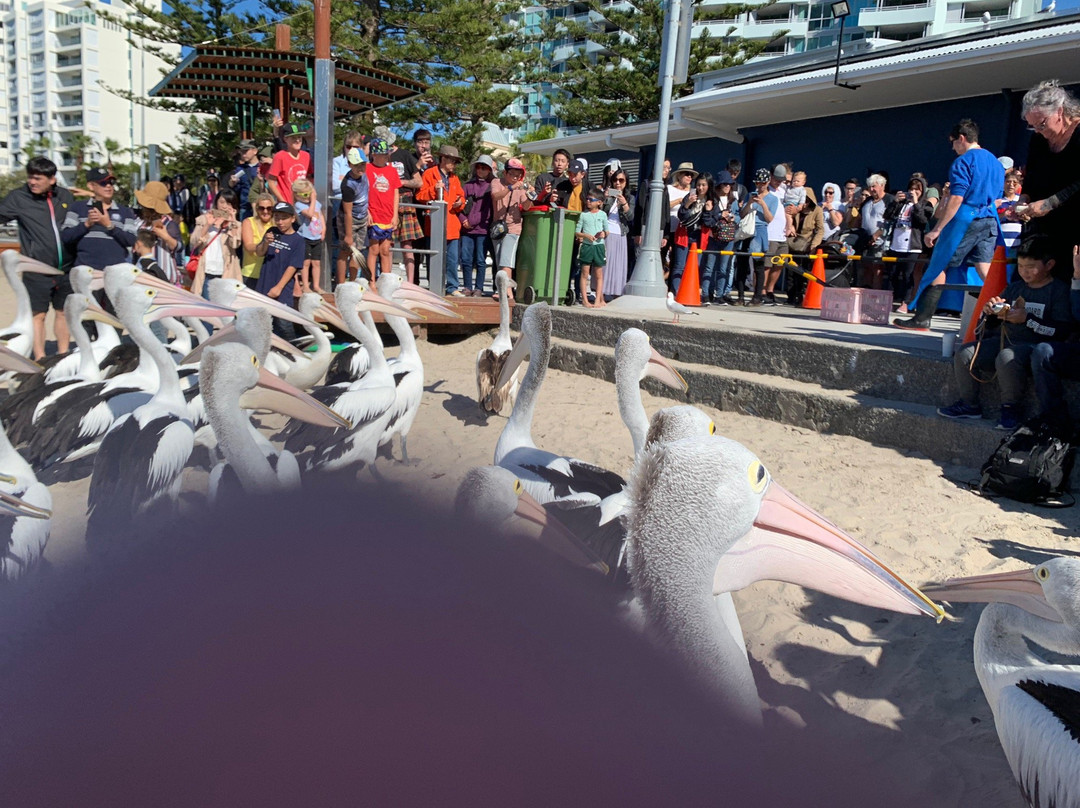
220 73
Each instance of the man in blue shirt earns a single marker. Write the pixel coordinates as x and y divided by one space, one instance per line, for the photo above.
967 230
283 250
101 231
353 216
244 174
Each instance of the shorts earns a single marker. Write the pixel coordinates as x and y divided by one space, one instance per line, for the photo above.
592 253
977 245
377 233
46 289
506 251
775 248
359 235
313 250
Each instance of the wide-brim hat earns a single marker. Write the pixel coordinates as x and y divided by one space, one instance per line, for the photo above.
449 151
685 168
484 160
154 195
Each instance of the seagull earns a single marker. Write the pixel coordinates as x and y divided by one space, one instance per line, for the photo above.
678 309
1036 704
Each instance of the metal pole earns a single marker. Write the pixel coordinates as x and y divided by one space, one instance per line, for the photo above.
839 45
324 125
437 259
560 221
648 278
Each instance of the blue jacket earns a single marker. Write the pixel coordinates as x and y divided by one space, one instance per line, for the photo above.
100 246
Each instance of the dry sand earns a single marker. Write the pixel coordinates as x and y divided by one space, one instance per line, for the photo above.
904 687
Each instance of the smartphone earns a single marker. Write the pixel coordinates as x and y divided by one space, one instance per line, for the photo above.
613 192
1020 209
98 205
276 114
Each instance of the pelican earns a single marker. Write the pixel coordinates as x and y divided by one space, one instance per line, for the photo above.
227 372
546 476
678 309
406 367
1036 704
19 336
141 457
706 519
490 361
368 403
25 503
635 359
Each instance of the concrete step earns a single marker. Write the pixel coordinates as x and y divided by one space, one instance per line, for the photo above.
906 425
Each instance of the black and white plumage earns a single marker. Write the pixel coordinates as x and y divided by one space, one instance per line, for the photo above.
19 335
140 459
1036 704
490 361
545 475
676 308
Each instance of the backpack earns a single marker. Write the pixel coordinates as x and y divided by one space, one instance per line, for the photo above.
1032 464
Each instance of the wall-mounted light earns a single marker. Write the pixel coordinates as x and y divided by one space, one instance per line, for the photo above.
841 10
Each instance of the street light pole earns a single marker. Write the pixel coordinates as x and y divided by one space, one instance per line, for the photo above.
648 278
841 9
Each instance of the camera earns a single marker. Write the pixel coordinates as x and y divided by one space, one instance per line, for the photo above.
998 308
530 194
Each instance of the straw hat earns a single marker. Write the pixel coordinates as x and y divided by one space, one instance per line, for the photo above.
685 168
450 151
154 195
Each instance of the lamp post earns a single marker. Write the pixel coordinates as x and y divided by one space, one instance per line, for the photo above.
841 10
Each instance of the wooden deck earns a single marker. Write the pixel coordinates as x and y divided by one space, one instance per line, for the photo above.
477 314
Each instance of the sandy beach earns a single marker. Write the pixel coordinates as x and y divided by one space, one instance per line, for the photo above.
902 686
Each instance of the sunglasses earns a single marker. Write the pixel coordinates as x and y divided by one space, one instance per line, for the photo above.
105 182
262 208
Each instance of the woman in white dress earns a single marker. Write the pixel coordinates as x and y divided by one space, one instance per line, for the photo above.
620 216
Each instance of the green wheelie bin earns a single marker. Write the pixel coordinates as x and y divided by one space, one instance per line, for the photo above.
537 252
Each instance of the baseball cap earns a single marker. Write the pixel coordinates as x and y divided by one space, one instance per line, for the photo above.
266 151
576 167
761 175
284 207
292 130
380 146
97 174
354 156
246 144
514 164
780 172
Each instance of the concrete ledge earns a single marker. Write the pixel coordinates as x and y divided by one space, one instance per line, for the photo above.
903 425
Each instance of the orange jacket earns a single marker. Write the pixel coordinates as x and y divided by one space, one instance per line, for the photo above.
454 197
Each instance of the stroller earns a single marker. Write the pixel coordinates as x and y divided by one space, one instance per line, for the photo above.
839 269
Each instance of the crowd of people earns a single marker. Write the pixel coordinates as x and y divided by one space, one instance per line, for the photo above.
261 222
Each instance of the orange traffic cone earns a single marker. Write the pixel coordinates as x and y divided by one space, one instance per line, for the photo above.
993 286
812 298
690 285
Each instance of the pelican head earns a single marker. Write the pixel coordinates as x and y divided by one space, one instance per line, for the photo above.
635 356
1050 591
223 291
255 327
82 279
535 341
503 280
675 423
117 277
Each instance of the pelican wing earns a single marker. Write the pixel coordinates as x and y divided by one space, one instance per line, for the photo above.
570 477
348 365
489 366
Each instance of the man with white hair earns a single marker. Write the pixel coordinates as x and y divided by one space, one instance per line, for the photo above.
875 201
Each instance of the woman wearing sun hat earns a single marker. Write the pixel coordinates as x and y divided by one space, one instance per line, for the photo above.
157 217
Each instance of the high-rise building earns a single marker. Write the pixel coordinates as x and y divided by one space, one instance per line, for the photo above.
60 56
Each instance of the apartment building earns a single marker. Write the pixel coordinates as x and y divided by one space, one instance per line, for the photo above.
60 56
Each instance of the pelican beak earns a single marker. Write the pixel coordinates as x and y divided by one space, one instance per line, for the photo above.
513 361
153 282
660 368
272 393
435 307
793 543
287 347
556 536
372 301
246 298
31 265
97 280
95 312
410 291
175 303
331 316
219 337
16 362
19 507
1020 588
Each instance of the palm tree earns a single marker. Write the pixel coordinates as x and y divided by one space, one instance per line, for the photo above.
111 147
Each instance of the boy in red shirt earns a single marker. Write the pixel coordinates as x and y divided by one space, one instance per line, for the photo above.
290 165
383 197
454 196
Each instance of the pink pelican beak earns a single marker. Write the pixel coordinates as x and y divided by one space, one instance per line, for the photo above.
1019 588
97 280
793 543
273 393
372 301
148 280
247 298
176 303
31 265
16 362
410 291
229 334
19 507
328 313
436 306
661 369
98 314
556 536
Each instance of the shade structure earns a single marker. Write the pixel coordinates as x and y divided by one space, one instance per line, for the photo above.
249 77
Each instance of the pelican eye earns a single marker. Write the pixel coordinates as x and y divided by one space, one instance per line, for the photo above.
150 293
254 360
1042 573
712 427
757 477
518 488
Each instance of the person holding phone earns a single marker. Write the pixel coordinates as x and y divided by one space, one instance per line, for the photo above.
100 230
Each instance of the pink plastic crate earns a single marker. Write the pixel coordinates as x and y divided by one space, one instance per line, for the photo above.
870 306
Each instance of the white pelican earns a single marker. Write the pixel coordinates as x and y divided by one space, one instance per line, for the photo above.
406 368
1036 704
25 503
706 519
490 361
368 403
546 476
19 336
678 309
227 373
141 457
635 358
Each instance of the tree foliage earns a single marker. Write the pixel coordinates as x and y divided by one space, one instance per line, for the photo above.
613 81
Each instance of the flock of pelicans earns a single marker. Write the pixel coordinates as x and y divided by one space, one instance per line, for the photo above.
697 518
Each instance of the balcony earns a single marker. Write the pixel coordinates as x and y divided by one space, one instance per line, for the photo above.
67 42
68 83
765 29
887 15
69 123
69 62
69 101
